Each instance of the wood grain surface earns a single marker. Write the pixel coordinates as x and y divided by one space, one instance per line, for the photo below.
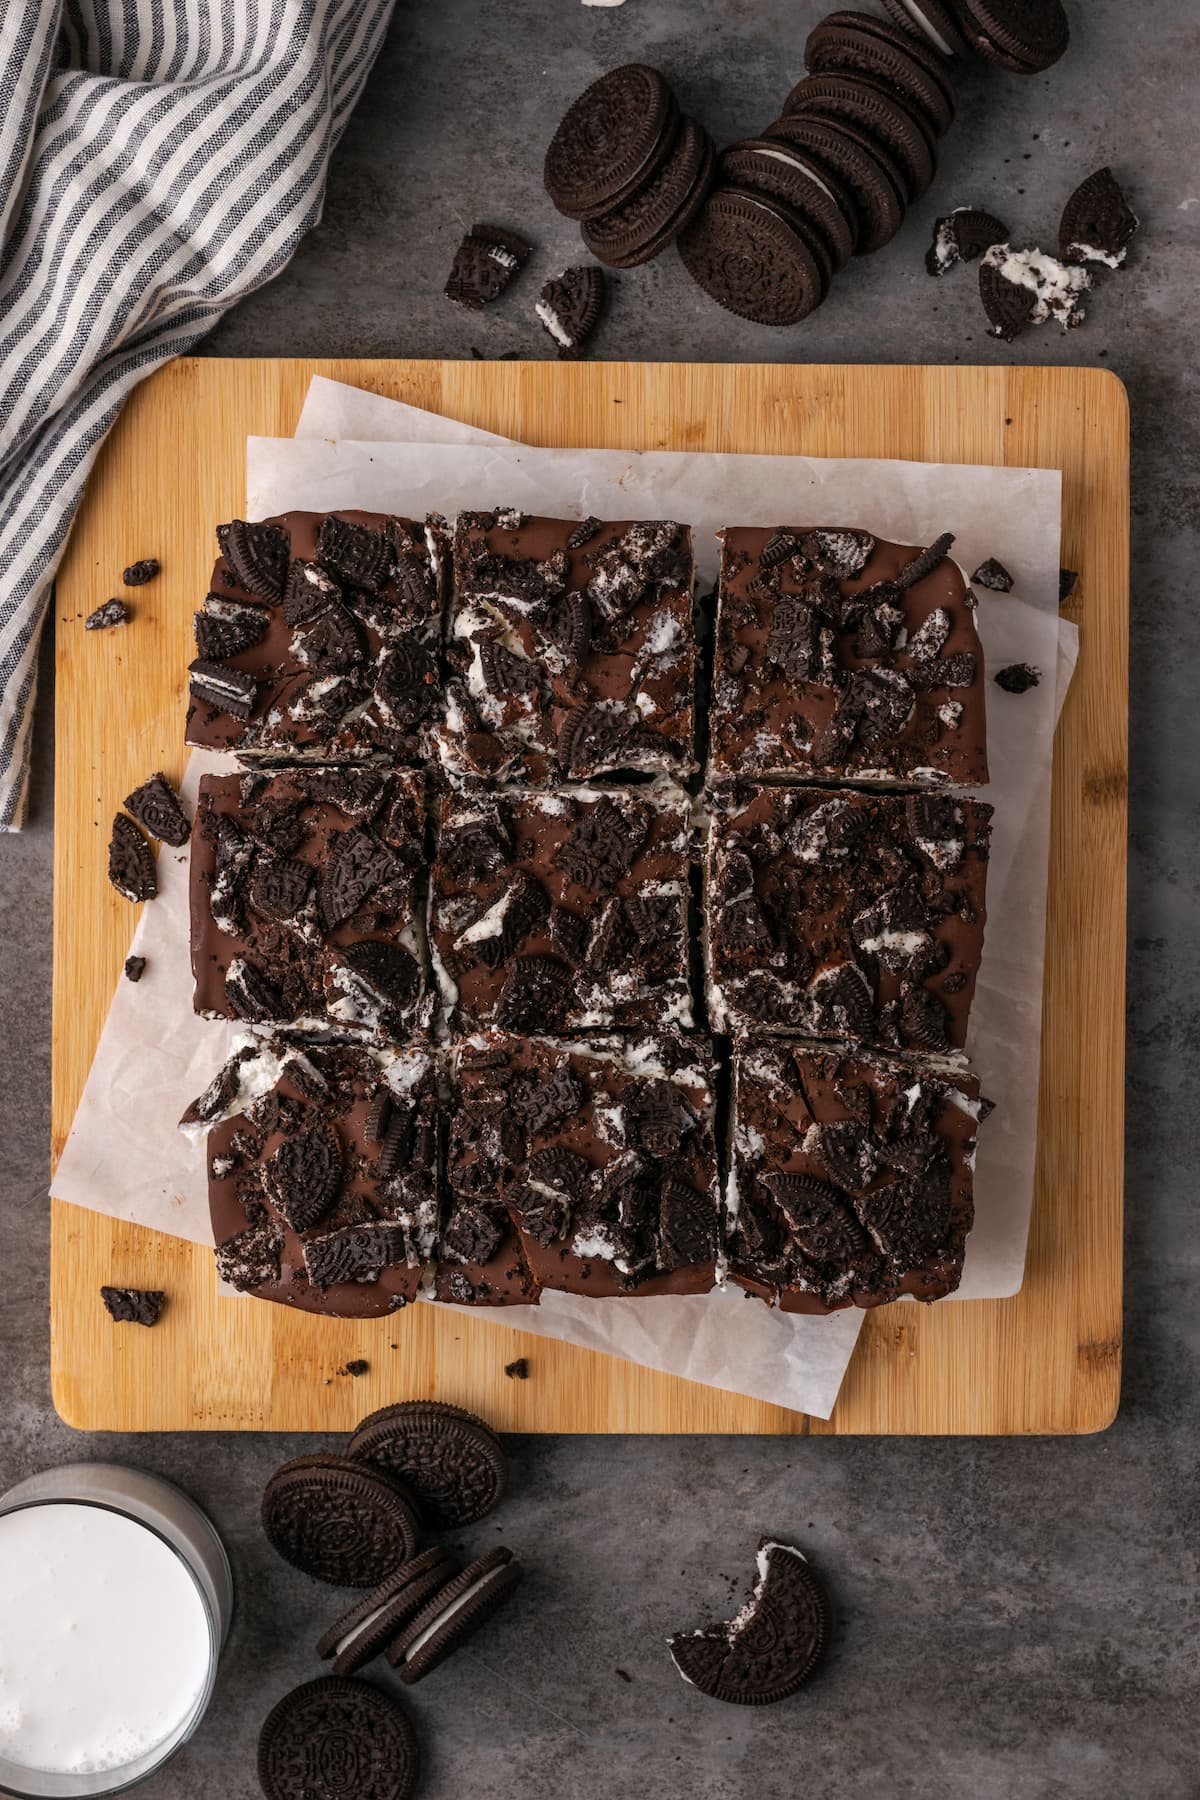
1047 1360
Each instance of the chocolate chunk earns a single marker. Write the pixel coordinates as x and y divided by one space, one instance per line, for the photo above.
155 805
994 575
303 1174
139 573
1097 222
131 861
227 689
1018 678
484 263
357 1253
258 556
133 1306
135 968
112 612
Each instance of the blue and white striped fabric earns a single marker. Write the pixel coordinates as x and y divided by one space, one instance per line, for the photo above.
159 159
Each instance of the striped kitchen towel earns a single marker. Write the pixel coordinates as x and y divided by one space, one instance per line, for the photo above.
158 160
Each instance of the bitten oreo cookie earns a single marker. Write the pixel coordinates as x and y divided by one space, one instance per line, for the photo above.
773 1645
877 110
960 237
642 226
454 1614
1097 222
372 1622
860 43
610 141
131 861
569 307
450 1460
930 21
334 1737
1025 36
859 162
338 1521
484 264
777 172
748 257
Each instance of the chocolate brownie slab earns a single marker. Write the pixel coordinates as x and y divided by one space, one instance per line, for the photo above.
564 910
846 915
319 638
851 1176
571 648
840 656
322 1172
598 1154
306 898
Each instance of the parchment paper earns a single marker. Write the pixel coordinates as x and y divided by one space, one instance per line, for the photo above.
124 1156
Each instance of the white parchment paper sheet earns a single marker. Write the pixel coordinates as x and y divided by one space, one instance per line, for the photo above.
124 1156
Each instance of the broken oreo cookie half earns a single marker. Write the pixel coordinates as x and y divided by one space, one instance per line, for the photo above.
1098 222
961 236
484 265
570 305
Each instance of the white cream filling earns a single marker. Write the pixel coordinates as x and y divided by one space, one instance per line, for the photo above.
552 322
450 1612
1056 285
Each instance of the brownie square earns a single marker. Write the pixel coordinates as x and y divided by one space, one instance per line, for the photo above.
322 1172
853 916
841 656
564 910
307 896
320 638
591 1165
851 1176
572 649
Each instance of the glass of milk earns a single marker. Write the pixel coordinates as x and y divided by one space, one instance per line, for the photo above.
115 1601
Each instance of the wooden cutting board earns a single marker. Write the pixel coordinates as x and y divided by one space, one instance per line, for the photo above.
1046 1361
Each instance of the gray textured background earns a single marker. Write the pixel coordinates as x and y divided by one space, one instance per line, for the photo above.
1017 1618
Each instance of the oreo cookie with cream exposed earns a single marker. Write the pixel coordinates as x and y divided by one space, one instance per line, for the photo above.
611 141
881 112
773 1645
338 1520
748 256
931 22
778 172
1025 36
333 1737
859 43
1097 222
454 1614
960 236
642 226
368 1627
1026 287
569 307
859 162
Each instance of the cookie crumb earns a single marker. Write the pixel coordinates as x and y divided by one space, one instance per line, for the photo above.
1066 584
139 573
113 612
1018 678
359 1366
519 1370
133 1306
623 1675
135 968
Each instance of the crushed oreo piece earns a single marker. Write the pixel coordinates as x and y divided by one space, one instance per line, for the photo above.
1018 678
356 1253
994 575
139 573
484 264
1098 222
258 556
303 1174
135 968
378 1114
535 996
1066 584
471 1234
227 629
230 690
1027 287
133 1306
840 554
926 562
603 843
155 805
113 612
518 1370
252 1258
584 532
131 861
252 994
362 557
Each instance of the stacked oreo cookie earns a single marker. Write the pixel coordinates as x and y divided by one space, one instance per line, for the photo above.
854 147
629 166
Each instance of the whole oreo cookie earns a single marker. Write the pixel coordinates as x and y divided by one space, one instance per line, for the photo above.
338 1521
860 163
1025 36
862 44
748 256
930 22
454 1614
778 172
334 1737
611 141
371 1623
450 1460
642 226
880 112
773 1645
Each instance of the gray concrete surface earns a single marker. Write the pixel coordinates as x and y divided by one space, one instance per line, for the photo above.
1018 1619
